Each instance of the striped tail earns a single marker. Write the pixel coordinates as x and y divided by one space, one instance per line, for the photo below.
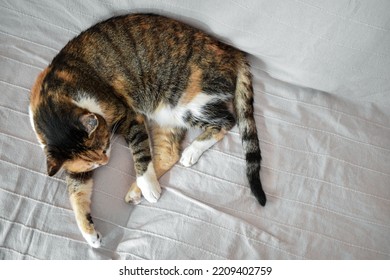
243 104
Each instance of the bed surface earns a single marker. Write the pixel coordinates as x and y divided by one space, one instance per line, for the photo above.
322 107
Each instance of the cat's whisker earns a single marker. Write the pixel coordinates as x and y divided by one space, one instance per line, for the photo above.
113 136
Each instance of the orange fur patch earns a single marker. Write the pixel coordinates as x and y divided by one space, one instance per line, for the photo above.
193 86
66 76
139 118
80 198
36 89
77 165
86 162
119 84
218 136
215 49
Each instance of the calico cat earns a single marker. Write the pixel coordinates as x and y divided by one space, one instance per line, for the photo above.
148 78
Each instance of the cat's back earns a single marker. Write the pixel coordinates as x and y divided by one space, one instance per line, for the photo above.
147 55
149 40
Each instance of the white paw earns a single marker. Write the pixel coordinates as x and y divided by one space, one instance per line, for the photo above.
149 185
190 155
133 196
150 189
93 239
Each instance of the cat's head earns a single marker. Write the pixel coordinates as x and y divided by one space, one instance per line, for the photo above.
72 137
78 141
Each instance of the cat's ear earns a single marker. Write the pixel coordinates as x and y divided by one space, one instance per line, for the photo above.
53 165
90 122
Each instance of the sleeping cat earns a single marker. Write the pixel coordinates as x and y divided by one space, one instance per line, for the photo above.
148 78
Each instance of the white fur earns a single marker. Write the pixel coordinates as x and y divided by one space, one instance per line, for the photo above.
149 185
93 239
192 153
108 152
166 116
173 117
30 114
94 166
89 103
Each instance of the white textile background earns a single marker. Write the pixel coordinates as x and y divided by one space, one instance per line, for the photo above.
322 106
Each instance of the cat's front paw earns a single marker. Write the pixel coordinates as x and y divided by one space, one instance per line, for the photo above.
94 239
190 156
151 190
149 185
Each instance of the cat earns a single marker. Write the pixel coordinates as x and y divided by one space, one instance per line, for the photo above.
148 78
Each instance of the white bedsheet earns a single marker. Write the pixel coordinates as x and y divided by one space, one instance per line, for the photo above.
322 103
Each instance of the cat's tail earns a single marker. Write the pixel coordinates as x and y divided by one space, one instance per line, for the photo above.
243 104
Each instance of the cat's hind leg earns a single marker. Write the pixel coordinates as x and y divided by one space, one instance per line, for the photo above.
166 147
202 143
166 152
134 195
217 120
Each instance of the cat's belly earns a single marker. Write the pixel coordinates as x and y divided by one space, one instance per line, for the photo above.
167 116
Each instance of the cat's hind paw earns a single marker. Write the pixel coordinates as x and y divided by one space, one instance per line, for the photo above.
190 156
134 195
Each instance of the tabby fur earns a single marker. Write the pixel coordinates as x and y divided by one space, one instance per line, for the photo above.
148 78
